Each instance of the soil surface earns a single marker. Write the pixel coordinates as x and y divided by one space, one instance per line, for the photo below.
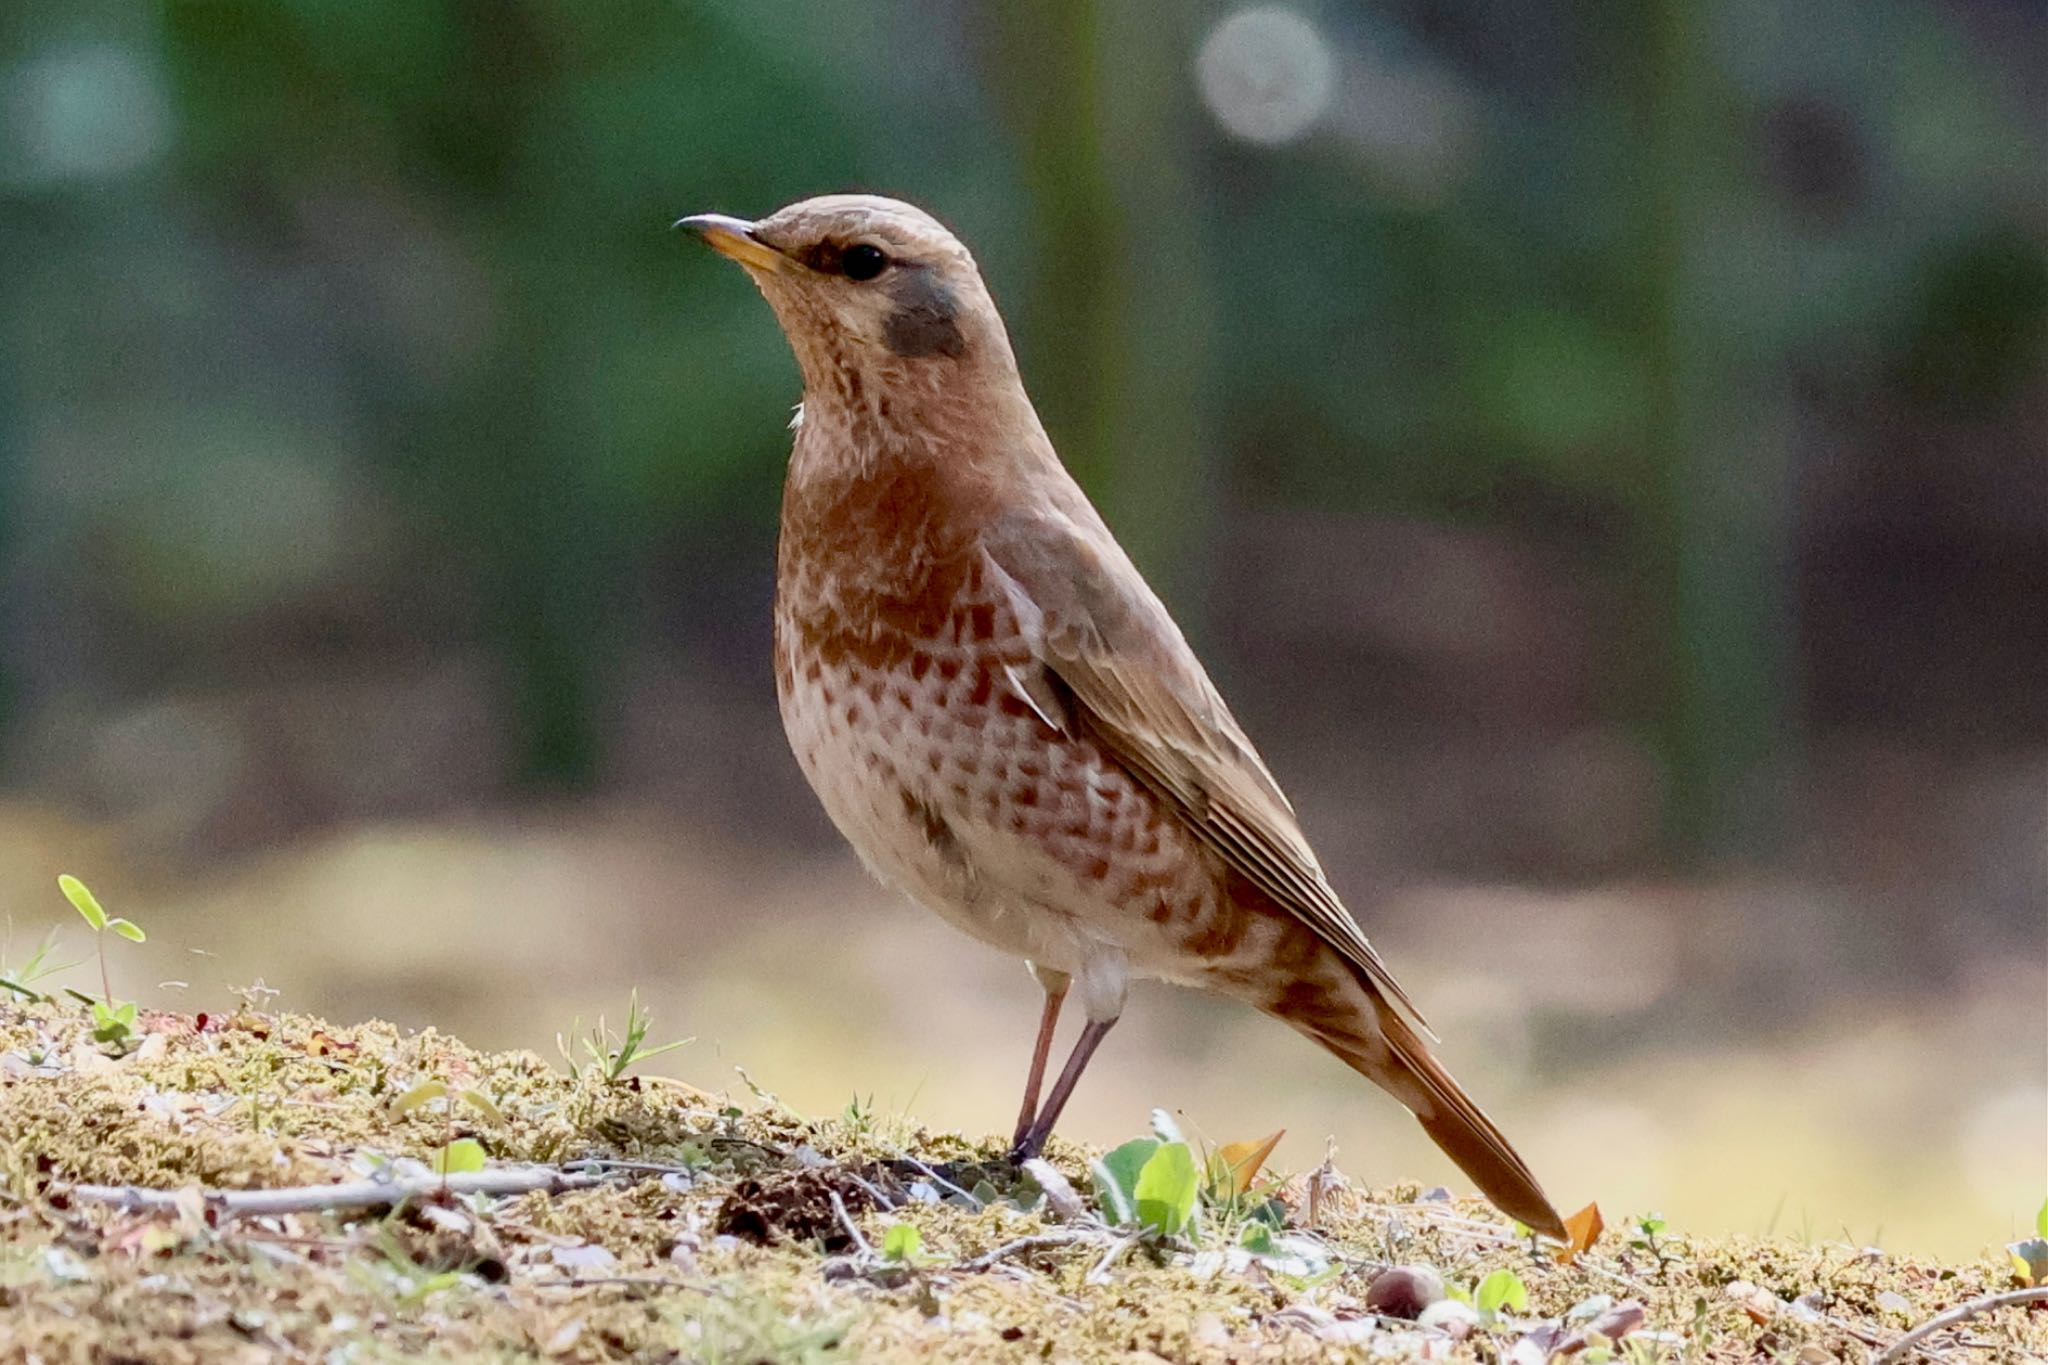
672 1224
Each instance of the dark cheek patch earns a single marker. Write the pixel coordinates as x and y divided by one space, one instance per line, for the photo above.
926 320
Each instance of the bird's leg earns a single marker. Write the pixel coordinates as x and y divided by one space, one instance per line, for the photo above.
1033 1141
1055 986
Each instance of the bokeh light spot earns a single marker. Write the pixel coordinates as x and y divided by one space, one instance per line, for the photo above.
1266 75
83 113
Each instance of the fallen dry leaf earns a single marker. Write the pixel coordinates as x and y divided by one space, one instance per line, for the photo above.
1582 1229
1236 1165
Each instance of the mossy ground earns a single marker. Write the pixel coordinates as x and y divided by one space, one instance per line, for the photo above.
729 1246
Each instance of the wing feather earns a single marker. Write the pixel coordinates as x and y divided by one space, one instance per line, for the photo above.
1141 692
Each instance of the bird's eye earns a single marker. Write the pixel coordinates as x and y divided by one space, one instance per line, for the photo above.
863 262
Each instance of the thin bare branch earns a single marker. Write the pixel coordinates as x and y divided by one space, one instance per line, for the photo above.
352 1194
1962 1312
846 1221
1100 1273
940 1180
599 1163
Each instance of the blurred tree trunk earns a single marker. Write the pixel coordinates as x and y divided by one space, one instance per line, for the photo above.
1122 325
537 532
533 522
1713 603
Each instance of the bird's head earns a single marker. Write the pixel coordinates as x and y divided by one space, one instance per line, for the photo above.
869 286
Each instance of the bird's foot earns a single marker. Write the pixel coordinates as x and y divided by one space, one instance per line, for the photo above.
1027 1145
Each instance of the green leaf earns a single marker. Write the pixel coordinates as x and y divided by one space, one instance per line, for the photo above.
83 901
1502 1289
901 1242
1116 1178
1167 1188
426 1092
128 929
458 1157
479 1101
1257 1238
113 1023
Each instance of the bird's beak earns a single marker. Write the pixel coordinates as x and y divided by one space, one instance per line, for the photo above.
734 238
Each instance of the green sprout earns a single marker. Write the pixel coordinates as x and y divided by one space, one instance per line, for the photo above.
610 1055
1646 1233
21 980
113 1020
902 1243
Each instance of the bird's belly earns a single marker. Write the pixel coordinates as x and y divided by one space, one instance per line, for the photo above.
952 788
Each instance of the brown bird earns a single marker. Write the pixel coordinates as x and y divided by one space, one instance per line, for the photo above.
998 713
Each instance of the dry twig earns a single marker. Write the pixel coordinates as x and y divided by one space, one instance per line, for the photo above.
846 1221
940 1180
1960 1313
349 1194
1100 1273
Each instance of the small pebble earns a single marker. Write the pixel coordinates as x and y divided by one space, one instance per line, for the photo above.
1404 1291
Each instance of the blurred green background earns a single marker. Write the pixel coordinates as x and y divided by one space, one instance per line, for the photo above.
1601 449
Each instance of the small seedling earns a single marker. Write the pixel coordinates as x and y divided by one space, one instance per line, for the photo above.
113 1020
430 1092
1646 1232
902 1244
457 1154
609 1055
21 980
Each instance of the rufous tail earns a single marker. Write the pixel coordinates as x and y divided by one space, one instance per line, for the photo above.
1408 1071
1467 1136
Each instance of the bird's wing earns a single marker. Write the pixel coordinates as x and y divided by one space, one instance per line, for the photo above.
1136 686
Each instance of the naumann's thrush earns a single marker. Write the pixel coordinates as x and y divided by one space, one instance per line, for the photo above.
997 712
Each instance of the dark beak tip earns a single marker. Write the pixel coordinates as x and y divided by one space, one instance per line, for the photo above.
703 223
